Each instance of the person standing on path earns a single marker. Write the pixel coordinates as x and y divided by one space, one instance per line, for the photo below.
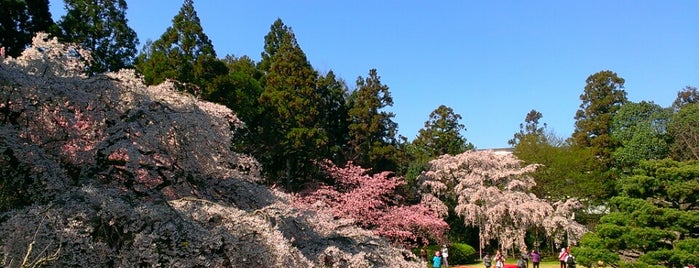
525 257
562 257
437 259
536 258
445 255
499 259
486 260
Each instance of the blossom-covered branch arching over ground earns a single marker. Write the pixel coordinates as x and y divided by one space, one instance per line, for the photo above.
492 193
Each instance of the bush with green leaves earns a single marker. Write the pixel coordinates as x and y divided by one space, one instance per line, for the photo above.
460 253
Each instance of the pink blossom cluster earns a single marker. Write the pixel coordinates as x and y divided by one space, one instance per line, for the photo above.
369 199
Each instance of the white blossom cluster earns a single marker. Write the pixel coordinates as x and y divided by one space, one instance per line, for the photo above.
492 194
120 174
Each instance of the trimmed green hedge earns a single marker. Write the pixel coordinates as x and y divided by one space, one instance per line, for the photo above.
459 253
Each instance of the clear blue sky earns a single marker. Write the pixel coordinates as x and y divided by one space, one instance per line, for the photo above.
490 61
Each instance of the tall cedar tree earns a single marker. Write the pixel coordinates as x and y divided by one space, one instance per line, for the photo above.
602 98
334 93
183 53
372 130
101 27
21 19
293 111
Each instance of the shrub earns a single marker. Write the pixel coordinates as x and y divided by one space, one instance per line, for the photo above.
460 253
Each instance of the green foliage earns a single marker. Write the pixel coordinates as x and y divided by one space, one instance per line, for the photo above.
273 41
372 131
639 129
20 20
460 253
442 134
684 130
302 111
655 216
602 98
688 95
593 251
101 27
530 131
334 93
183 53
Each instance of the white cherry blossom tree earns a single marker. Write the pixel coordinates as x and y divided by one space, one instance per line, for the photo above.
492 193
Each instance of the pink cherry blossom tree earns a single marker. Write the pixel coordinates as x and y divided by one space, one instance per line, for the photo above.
492 192
370 200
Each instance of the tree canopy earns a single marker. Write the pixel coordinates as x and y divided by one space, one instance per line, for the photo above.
654 219
372 131
101 27
20 21
442 134
601 99
183 53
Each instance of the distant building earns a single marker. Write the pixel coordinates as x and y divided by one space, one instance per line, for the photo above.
499 151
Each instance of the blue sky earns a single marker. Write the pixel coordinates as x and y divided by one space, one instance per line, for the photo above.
490 61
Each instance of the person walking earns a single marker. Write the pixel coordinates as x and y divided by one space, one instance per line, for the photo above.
499 259
445 255
486 260
437 259
536 258
525 257
562 257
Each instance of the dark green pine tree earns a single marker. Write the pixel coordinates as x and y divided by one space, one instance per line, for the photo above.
240 91
372 131
293 113
20 21
183 53
273 40
442 134
101 27
334 95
